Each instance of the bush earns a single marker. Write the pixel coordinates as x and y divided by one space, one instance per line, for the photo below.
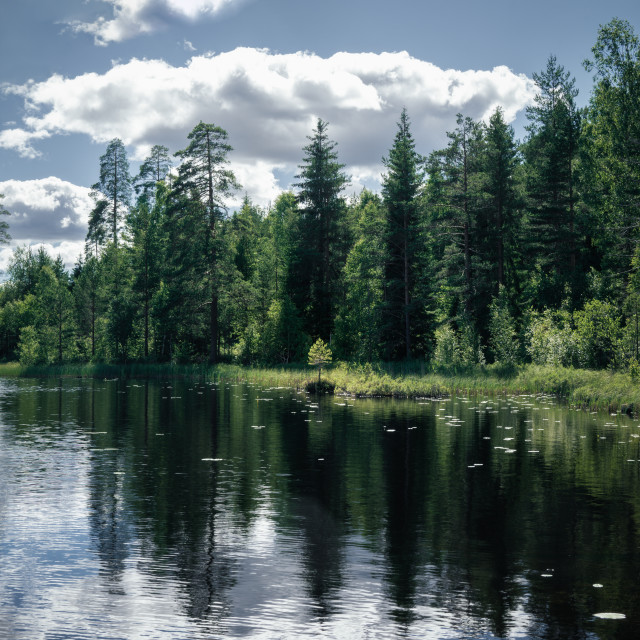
599 331
28 347
502 331
456 349
551 340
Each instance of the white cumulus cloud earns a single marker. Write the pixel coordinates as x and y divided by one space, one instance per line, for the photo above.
269 104
130 18
48 212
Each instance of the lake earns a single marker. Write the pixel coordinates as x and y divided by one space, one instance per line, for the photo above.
191 510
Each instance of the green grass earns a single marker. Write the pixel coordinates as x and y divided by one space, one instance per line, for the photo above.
593 390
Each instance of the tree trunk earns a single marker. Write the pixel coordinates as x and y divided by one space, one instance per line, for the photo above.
407 326
146 307
213 326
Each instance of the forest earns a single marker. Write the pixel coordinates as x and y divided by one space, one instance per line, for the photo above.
488 250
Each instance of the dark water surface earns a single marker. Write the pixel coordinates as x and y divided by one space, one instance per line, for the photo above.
189 510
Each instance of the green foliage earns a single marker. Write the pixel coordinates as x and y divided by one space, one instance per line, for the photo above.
29 346
447 349
319 355
112 194
4 225
359 321
502 330
598 329
400 189
520 251
153 171
283 339
199 204
321 249
552 341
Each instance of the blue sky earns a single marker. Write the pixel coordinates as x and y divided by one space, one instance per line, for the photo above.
77 73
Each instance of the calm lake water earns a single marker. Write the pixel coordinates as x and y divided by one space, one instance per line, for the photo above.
133 509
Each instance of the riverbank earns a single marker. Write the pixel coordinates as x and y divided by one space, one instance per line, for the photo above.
592 390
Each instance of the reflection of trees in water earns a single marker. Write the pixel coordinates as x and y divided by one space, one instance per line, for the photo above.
205 564
322 553
465 541
406 480
176 518
109 527
316 488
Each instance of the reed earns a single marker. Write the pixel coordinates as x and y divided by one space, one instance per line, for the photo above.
593 390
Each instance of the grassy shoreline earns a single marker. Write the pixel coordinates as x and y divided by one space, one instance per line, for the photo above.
592 390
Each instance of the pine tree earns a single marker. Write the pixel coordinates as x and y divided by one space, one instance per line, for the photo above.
154 169
112 194
203 185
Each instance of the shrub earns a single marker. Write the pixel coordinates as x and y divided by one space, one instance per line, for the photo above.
502 331
551 340
599 332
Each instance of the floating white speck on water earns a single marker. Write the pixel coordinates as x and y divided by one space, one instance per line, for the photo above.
211 459
610 616
546 575
597 585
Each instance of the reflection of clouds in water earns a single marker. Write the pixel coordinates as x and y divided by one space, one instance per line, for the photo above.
50 581
141 537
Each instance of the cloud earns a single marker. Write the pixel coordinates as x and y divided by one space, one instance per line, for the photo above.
138 17
269 104
21 141
48 212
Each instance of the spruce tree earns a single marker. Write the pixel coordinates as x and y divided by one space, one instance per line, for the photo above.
400 190
612 157
322 247
455 197
551 152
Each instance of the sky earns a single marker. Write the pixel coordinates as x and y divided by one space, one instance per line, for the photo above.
74 74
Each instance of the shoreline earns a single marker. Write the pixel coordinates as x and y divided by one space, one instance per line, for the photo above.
580 388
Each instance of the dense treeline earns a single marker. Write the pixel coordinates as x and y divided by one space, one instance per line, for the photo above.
487 250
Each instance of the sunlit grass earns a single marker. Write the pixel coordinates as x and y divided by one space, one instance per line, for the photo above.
614 391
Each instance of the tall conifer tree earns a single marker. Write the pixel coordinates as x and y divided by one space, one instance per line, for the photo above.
204 183
551 152
400 189
112 193
322 248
